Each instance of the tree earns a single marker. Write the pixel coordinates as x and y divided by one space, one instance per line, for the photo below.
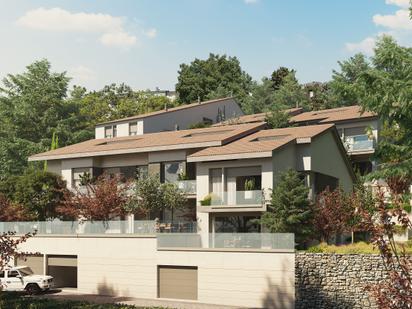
277 119
9 244
39 192
289 210
320 96
290 94
333 214
385 88
344 82
216 77
32 108
103 199
10 211
153 196
278 77
394 291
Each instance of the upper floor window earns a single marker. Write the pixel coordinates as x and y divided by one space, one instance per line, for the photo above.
80 176
133 128
110 131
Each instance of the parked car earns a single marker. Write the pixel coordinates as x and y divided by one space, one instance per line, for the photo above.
21 278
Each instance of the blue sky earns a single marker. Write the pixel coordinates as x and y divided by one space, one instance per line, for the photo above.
142 42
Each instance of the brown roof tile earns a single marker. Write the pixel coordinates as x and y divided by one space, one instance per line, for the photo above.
263 141
194 138
333 115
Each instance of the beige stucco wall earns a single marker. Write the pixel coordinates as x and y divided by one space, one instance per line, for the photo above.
185 117
127 266
122 128
283 159
328 159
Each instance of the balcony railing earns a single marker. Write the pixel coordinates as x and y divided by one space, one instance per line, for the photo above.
359 143
271 241
234 198
187 186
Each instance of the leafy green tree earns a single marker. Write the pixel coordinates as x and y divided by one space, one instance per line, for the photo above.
290 210
33 107
279 75
216 77
386 89
277 119
290 94
320 96
152 196
38 191
344 82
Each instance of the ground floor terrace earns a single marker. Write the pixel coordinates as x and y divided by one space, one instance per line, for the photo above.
133 259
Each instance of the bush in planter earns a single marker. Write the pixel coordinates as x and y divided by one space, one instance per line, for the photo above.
207 200
250 184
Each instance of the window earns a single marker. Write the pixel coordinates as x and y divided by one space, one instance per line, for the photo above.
80 176
172 170
13 273
1 274
126 172
110 131
133 128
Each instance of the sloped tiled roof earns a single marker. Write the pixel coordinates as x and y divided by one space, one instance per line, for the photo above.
263 142
184 139
333 115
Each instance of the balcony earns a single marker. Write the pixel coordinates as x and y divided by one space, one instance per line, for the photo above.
187 186
252 200
359 144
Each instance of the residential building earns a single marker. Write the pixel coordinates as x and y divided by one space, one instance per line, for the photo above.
227 173
232 165
171 94
170 119
358 130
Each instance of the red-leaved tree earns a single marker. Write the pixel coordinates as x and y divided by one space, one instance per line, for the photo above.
9 244
10 211
101 200
332 214
395 291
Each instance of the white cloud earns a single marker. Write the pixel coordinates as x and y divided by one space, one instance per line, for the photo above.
110 28
150 33
365 46
401 3
251 1
120 39
82 74
397 25
399 21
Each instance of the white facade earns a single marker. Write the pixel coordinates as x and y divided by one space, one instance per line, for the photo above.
122 265
171 119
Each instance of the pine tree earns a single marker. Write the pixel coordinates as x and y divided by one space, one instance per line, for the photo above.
290 209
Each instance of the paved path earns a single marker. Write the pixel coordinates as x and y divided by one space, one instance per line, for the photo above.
73 294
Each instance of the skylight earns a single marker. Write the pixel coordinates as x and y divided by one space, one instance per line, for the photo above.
270 138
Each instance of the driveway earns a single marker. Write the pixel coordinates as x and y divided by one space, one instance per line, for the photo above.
73 294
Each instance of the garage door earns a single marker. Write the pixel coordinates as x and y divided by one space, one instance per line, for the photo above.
35 262
178 282
63 268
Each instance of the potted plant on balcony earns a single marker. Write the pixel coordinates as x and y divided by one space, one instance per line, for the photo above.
250 185
181 177
207 200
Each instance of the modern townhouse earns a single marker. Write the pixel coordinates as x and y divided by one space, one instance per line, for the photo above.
227 172
358 130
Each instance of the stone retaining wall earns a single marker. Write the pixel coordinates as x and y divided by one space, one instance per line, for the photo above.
336 280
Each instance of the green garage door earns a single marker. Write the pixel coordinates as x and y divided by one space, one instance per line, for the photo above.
63 268
35 262
178 282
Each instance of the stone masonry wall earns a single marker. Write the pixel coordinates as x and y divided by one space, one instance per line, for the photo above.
336 280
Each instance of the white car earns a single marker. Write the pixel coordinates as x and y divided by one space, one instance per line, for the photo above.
21 278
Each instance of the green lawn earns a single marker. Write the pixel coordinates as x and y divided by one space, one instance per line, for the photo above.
356 248
18 301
